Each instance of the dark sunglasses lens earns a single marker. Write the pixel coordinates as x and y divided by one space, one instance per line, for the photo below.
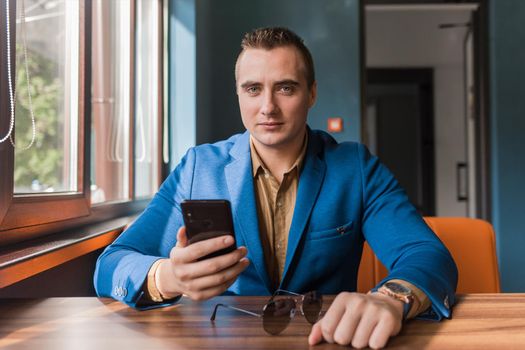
277 315
312 305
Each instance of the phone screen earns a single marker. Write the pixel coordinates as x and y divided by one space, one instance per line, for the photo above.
205 219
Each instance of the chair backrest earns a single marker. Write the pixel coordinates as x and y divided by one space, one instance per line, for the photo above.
472 245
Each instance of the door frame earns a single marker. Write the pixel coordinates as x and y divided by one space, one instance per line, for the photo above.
482 91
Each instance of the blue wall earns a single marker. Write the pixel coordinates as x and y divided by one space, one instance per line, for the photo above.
507 48
331 31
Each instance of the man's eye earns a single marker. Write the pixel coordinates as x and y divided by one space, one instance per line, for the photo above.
252 90
287 89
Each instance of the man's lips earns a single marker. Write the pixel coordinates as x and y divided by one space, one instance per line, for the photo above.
270 123
270 126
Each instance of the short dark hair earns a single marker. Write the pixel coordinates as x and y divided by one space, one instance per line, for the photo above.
271 37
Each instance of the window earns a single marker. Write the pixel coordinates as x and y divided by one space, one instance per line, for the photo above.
46 81
87 91
111 101
148 106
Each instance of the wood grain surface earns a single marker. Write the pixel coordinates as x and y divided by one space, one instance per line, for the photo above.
480 321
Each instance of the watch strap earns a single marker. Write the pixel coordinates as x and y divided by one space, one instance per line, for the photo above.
406 309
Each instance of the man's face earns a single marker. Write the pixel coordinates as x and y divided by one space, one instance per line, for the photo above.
274 97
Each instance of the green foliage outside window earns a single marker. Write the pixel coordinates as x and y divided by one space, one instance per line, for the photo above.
40 167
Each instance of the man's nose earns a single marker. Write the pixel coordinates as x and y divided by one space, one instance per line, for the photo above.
269 106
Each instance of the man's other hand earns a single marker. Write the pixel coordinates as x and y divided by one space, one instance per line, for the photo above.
199 280
360 320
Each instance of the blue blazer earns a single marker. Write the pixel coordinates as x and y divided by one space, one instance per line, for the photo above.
344 197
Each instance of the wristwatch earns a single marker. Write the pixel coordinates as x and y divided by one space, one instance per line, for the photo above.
400 292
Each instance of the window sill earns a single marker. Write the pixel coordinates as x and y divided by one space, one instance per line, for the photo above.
23 260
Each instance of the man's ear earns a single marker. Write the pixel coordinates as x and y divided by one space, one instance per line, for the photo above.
312 94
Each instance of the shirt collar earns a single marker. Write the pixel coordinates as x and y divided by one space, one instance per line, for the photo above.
258 164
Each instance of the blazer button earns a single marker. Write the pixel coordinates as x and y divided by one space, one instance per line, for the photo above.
446 303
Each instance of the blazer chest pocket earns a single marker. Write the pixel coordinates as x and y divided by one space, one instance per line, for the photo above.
339 231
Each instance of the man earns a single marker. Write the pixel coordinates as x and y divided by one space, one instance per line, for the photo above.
302 207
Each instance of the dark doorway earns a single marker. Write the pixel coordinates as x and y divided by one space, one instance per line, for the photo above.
399 129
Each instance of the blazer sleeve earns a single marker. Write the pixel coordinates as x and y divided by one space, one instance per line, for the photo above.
403 242
122 268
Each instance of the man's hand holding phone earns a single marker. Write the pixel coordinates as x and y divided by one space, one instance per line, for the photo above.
184 273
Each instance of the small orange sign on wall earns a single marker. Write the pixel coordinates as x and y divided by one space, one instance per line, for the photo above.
335 124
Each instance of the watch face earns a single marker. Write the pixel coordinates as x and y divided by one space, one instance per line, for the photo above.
398 288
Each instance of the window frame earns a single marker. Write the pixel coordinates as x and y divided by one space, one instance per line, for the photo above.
6 156
23 217
35 209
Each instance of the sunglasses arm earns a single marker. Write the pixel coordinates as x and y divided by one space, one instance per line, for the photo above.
232 308
286 292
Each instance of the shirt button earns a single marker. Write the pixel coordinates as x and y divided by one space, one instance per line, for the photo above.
266 175
279 204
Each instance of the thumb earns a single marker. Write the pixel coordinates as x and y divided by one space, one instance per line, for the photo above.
182 239
316 335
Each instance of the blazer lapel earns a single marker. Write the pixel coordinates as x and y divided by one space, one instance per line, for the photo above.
310 182
240 185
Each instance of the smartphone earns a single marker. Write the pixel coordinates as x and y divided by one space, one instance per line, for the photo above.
205 219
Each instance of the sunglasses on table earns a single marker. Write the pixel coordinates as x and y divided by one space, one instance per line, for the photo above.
278 312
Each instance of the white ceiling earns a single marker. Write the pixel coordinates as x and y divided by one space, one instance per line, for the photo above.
409 36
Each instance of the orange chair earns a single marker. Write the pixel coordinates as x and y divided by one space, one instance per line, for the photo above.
472 245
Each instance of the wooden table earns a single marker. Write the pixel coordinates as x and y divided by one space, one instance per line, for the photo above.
481 321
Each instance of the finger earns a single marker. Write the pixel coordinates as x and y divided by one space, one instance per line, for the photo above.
332 317
214 265
213 291
346 328
182 238
197 250
382 332
217 279
364 329
316 334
